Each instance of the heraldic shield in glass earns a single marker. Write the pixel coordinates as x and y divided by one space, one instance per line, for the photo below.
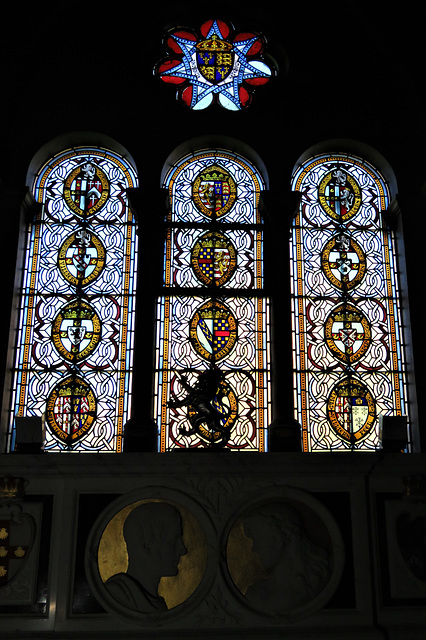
75 336
347 343
212 386
215 65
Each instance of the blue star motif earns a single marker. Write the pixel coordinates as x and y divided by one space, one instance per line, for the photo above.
230 59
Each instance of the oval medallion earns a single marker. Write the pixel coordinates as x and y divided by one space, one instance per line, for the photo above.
214 191
81 258
213 258
347 333
213 331
351 410
76 331
86 189
343 262
71 409
339 195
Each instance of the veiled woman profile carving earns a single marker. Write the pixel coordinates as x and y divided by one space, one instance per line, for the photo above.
285 554
295 568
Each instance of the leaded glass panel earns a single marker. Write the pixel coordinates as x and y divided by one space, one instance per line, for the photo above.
348 358
74 347
213 321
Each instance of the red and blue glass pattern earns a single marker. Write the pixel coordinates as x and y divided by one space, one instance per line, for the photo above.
215 65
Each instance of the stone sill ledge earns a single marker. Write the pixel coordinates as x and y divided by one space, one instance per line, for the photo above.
199 461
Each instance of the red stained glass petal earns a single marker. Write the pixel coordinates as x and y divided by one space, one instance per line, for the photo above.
172 79
223 28
256 82
186 96
167 66
173 45
256 48
245 97
186 35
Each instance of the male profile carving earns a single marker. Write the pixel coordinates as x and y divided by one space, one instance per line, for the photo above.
153 536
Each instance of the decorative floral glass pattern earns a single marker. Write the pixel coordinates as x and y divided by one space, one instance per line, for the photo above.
347 344
74 346
214 64
213 319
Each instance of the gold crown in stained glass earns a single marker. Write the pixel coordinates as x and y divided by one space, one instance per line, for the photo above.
72 390
78 311
214 44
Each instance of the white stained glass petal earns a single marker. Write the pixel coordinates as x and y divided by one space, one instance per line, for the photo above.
203 103
261 66
228 103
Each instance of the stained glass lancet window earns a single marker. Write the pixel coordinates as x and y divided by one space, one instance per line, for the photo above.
347 344
212 384
75 334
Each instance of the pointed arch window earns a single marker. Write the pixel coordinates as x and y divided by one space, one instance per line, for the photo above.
75 333
348 350
212 384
